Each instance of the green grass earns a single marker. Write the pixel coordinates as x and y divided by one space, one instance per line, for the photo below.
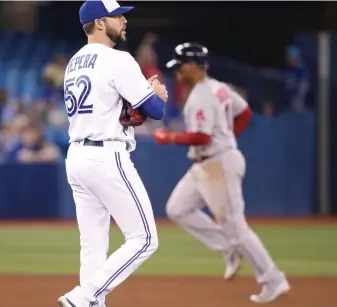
298 250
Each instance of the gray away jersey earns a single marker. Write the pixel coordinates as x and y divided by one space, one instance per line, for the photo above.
210 109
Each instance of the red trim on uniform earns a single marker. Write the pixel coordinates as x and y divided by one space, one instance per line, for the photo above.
242 120
191 138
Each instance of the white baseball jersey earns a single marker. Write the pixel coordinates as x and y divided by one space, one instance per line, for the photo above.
96 80
210 109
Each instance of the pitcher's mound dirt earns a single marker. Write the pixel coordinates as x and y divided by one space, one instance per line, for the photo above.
43 291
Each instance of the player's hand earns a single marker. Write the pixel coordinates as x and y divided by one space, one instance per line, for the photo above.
162 136
151 79
160 89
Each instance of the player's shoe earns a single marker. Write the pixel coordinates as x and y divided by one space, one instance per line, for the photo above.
233 262
271 291
64 302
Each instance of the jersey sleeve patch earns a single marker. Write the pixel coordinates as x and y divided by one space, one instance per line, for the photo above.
200 115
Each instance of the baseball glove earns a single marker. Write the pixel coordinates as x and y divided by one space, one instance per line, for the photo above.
130 117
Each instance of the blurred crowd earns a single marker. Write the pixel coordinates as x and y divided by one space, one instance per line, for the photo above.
23 136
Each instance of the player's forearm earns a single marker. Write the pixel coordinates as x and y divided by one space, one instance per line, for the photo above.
153 107
242 120
190 139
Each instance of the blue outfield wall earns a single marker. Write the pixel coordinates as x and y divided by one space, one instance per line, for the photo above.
280 180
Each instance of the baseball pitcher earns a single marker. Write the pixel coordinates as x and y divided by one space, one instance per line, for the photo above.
106 95
215 178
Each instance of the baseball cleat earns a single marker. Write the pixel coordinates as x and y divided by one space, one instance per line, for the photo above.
64 302
233 262
270 292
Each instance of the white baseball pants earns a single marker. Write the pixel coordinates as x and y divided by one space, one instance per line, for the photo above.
105 183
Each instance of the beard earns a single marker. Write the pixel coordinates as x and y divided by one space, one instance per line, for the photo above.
114 36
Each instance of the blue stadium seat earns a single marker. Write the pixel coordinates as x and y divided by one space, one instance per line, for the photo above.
12 80
29 85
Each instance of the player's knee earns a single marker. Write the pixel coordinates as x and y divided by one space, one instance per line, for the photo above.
172 210
154 243
147 242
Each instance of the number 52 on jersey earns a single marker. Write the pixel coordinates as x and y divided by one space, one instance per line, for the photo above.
76 104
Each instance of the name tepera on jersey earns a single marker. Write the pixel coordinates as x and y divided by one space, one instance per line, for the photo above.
97 78
210 109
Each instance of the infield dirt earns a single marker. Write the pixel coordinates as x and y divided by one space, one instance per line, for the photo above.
43 291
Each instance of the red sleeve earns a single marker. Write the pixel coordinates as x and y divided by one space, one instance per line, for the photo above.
242 120
191 139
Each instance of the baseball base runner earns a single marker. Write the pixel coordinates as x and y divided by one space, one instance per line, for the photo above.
103 87
215 178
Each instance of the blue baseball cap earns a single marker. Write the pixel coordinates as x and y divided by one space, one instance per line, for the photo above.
95 9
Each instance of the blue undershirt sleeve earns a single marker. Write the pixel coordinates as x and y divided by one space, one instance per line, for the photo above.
153 107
